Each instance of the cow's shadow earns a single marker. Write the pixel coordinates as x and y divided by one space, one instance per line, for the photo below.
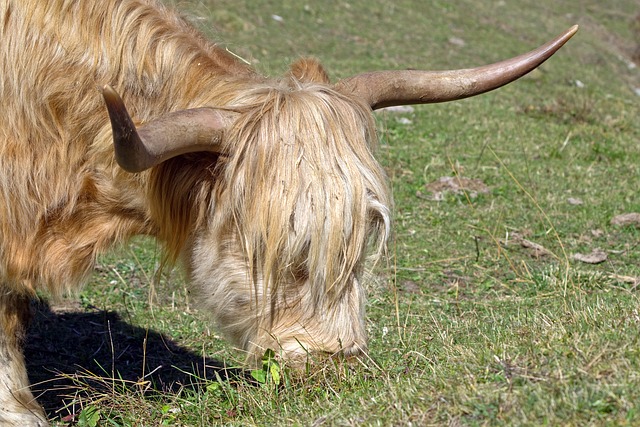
66 350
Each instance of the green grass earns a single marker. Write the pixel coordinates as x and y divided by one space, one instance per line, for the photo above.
467 326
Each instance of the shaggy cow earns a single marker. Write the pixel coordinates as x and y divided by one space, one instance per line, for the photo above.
265 189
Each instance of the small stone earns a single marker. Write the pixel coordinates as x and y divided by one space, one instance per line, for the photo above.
622 220
595 257
574 201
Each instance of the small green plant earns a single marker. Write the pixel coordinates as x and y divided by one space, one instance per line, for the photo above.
270 373
89 417
168 415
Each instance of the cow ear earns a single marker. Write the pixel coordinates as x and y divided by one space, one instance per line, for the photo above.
308 70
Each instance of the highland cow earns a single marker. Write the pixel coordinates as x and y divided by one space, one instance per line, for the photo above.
266 190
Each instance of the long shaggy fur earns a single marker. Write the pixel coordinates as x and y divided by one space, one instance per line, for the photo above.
61 197
304 189
272 232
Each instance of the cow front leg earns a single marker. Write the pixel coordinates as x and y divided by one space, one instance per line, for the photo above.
17 405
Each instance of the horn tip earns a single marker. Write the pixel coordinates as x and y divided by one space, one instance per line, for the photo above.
110 94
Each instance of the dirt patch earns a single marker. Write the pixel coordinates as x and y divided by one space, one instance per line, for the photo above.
410 287
626 49
457 185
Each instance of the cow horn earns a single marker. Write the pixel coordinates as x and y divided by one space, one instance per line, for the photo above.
388 88
180 132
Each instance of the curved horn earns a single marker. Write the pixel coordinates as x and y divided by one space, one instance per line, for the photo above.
387 88
176 133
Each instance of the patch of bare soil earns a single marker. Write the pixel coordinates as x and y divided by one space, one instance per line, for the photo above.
457 185
627 49
410 287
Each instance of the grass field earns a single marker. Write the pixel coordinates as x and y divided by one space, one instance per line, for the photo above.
481 315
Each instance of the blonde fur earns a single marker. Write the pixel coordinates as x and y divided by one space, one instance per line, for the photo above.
273 232
303 198
319 193
62 198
